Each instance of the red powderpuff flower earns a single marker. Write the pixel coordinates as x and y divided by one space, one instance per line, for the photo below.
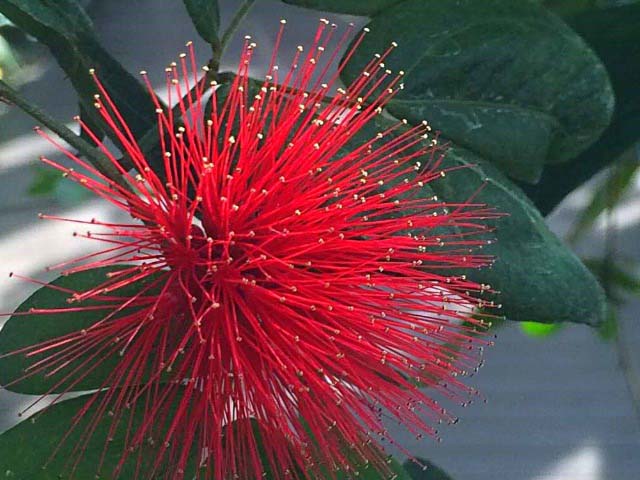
289 278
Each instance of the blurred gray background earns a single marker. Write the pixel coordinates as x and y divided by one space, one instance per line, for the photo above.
559 408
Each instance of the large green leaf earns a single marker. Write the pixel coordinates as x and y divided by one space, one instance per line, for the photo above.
537 276
353 7
205 17
614 34
25 448
67 31
507 80
21 331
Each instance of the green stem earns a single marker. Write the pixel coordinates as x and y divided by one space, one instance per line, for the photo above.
95 156
240 14
218 49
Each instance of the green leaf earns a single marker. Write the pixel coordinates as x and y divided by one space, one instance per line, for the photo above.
424 470
538 277
614 34
88 118
21 331
369 473
45 181
67 31
27 446
205 17
540 330
63 18
569 7
352 7
508 80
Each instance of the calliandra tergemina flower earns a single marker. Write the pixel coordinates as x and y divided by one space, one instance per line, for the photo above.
293 277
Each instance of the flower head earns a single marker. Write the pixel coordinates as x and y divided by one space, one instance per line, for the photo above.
290 273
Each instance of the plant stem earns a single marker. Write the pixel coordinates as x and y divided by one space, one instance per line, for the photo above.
624 353
240 14
218 49
95 156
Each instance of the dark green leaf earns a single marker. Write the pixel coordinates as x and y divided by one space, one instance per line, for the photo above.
538 277
507 80
24 330
369 473
88 118
614 34
424 470
64 18
540 330
26 447
205 17
569 7
67 31
353 7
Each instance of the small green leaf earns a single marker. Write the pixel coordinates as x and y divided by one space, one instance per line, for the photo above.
540 330
507 80
614 34
21 331
45 181
205 17
424 470
352 7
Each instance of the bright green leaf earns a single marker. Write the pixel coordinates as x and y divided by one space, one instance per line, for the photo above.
205 17
24 330
507 80
540 330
